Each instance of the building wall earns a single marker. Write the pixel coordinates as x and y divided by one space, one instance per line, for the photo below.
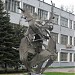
15 18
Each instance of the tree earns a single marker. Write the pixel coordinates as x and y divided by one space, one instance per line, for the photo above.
19 31
9 56
5 37
10 37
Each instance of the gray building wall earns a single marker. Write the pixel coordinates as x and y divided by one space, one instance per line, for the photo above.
15 18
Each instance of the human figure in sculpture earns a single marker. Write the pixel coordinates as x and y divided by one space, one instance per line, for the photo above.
31 51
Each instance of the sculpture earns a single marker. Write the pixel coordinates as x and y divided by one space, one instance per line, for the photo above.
33 51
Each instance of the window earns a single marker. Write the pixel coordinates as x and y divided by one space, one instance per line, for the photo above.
74 25
70 40
74 41
56 58
70 24
12 5
42 14
71 57
74 57
63 56
7 5
56 19
29 7
64 39
54 36
64 22
16 5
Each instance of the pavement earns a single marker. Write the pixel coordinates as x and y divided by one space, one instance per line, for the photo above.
67 70
64 70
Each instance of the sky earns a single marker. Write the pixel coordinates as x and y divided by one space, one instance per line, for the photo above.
68 5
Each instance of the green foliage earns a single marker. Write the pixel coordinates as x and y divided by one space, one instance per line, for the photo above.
58 73
10 37
6 33
49 73
18 35
19 31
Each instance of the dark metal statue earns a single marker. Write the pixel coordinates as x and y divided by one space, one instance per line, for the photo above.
33 51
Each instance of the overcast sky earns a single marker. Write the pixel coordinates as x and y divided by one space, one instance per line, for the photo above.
68 4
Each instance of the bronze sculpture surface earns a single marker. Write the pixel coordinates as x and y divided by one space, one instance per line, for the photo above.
33 51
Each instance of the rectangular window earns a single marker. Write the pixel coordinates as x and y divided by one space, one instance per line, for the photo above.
70 24
74 41
16 5
42 14
54 36
74 57
64 39
70 40
64 22
8 5
56 58
71 57
29 7
56 17
74 25
12 5
63 56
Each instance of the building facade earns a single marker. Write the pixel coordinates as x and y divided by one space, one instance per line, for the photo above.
64 26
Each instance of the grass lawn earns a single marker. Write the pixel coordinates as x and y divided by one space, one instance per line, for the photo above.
47 73
58 73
